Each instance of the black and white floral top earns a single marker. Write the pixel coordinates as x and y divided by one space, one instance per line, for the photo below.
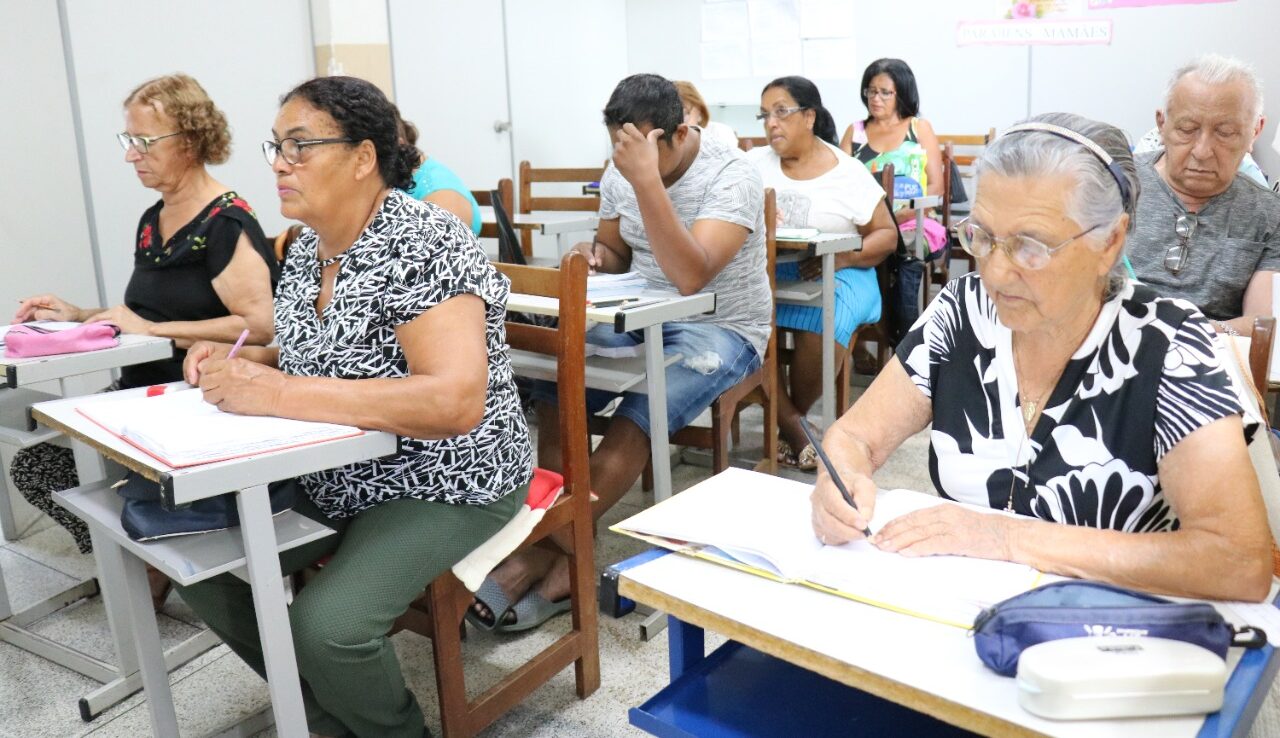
412 257
1145 377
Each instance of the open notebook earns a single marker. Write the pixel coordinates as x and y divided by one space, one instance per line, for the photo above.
761 524
181 429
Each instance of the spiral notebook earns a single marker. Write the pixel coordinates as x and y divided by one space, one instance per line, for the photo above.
761 524
180 429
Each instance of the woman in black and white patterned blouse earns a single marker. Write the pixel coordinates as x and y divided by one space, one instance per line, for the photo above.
388 317
1095 411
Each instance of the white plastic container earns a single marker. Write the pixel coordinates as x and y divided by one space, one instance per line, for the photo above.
1122 676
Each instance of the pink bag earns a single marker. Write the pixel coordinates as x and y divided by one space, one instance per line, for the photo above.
934 234
25 341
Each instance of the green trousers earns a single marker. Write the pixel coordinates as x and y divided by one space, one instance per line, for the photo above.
382 559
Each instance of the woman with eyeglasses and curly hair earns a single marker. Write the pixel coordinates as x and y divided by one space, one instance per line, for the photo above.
202 268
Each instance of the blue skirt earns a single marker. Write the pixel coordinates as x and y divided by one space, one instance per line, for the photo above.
857 303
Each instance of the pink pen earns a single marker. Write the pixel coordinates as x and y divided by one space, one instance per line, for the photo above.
239 342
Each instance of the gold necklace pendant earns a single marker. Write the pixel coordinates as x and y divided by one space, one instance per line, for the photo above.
1028 412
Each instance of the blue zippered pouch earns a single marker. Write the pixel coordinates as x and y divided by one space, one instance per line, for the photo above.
1072 609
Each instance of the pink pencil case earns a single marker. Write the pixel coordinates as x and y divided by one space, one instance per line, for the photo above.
25 341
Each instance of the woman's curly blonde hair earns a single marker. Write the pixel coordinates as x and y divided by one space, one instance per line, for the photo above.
182 98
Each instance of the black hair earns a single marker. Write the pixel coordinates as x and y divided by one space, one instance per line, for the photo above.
645 98
806 95
363 113
907 98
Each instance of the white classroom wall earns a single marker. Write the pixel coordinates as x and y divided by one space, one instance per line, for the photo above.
44 229
244 53
547 67
971 88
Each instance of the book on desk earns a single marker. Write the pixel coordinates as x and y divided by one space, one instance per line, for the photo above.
180 429
760 524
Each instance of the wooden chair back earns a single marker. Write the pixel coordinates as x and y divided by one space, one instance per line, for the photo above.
747 143
963 151
506 190
447 600
529 202
1261 339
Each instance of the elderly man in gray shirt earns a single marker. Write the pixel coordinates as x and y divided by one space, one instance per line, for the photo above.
1205 233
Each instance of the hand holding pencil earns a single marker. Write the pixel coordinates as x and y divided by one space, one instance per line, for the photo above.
46 307
843 499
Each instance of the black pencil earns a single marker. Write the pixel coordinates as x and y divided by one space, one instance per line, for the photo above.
831 470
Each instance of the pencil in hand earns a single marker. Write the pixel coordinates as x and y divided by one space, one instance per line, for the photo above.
831 470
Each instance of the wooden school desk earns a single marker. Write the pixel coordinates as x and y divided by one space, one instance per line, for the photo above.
251 552
625 374
818 294
801 662
76 374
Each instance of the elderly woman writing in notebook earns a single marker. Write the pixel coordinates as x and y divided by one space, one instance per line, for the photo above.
1094 411
388 317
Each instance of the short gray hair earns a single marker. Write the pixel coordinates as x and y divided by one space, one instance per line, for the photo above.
1097 199
1215 69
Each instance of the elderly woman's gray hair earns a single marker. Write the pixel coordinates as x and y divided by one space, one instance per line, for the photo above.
1215 69
1097 199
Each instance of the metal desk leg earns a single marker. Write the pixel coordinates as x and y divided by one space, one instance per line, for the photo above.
828 340
263 563
686 646
128 575
16 516
922 249
659 443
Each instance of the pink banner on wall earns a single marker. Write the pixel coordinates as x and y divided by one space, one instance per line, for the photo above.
1109 4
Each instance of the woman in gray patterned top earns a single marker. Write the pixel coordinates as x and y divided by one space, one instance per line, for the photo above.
388 317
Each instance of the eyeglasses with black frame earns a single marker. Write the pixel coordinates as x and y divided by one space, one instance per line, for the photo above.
291 148
141 144
1025 251
779 113
871 92
1175 258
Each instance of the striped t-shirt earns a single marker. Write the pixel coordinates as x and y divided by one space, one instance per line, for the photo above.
719 185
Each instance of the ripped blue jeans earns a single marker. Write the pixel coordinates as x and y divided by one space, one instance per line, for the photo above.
714 359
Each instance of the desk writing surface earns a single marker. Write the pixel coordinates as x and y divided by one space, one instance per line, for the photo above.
822 244
133 349
927 666
198 482
549 222
673 307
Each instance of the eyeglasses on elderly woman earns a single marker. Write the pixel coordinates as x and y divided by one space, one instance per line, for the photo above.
142 144
1025 251
291 148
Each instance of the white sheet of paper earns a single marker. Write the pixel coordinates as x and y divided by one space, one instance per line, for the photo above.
775 58
182 429
774 20
725 21
1264 615
830 58
826 19
726 59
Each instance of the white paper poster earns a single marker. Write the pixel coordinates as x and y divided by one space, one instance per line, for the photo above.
725 59
826 19
775 58
776 20
725 21
830 58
